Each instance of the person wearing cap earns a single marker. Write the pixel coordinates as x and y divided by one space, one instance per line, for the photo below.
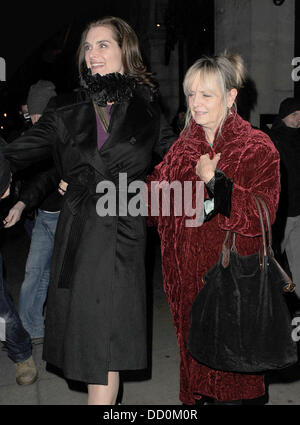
11 330
285 133
38 98
40 191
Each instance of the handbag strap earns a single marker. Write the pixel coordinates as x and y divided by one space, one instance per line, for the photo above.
266 250
289 286
261 202
226 248
258 200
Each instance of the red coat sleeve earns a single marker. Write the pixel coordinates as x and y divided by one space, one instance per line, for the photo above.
258 173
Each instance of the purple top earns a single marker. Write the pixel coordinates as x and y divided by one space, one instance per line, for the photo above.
101 134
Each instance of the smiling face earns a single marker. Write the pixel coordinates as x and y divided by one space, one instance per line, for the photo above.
206 101
102 52
292 120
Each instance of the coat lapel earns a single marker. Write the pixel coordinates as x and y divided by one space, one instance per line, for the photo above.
127 120
80 121
116 127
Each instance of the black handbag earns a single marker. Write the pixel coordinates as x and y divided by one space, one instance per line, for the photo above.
240 321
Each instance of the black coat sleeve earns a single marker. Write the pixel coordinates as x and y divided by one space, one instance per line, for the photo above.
35 190
220 189
35 145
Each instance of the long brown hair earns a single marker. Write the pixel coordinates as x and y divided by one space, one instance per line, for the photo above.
128 43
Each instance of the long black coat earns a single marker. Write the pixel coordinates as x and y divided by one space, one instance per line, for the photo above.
96 307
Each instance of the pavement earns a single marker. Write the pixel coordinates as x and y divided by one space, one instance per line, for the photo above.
158 385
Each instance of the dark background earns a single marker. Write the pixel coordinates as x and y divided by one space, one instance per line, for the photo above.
39 40
297 41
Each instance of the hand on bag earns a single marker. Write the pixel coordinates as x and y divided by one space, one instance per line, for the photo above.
205 168
14 214
62 187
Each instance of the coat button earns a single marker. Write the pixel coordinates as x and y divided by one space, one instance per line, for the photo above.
132 140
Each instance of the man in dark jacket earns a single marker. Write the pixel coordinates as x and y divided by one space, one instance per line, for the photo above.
285 134
11 329
40 191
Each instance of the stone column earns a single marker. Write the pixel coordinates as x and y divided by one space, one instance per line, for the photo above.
263 34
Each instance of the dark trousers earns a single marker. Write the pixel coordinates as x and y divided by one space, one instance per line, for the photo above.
11 329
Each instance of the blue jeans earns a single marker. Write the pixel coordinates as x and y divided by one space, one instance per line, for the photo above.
29 225
16 338
37 274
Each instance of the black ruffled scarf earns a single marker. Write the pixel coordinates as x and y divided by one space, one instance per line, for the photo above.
103 89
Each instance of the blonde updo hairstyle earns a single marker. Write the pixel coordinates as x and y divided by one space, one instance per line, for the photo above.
230 71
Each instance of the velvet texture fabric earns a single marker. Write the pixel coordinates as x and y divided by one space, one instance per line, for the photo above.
249 158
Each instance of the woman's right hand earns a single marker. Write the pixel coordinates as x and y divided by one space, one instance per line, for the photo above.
62 187
205 168
14 214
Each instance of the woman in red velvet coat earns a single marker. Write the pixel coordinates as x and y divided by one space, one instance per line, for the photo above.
234 161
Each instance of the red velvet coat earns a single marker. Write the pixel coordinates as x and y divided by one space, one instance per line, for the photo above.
250 159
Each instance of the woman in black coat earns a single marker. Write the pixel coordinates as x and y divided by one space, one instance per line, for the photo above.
96 307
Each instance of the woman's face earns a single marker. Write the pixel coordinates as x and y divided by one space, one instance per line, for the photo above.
102 53
206 101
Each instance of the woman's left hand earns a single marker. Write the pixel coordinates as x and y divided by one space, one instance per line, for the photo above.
62 187
205 168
